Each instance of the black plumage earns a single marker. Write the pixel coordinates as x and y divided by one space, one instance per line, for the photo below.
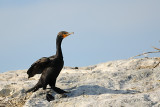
50 67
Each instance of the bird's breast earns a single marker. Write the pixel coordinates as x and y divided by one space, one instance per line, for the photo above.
57 64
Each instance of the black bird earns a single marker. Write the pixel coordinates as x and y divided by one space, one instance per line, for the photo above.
50 67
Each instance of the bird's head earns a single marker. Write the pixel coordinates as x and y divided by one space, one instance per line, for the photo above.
64 34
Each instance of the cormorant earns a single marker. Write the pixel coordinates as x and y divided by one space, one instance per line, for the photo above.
50 67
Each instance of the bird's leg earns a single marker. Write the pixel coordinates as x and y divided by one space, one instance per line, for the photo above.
35 88
58 90
44 88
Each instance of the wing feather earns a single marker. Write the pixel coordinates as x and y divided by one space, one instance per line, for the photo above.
38 66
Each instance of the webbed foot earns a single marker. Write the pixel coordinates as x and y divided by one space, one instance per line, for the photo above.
49 97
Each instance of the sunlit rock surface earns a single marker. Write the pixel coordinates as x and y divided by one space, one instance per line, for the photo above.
128 83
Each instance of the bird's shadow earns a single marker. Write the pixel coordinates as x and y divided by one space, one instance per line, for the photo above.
96 90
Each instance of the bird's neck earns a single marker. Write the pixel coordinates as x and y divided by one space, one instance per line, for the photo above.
58 46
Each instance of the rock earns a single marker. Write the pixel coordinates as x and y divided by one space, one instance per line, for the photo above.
122 83
5 92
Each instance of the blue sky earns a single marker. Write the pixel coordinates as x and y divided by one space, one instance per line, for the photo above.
105 30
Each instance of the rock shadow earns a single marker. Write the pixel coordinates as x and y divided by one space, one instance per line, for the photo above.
97 90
